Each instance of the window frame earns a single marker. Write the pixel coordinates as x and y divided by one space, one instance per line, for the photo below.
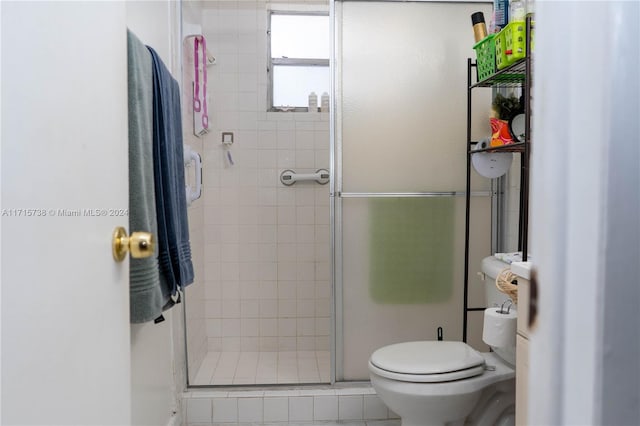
271 61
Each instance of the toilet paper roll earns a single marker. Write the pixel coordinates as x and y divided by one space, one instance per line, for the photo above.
499 329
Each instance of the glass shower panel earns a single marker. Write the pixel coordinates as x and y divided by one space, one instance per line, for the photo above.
403 272
401 75
403 81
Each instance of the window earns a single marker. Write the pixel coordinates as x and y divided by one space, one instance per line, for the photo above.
299 45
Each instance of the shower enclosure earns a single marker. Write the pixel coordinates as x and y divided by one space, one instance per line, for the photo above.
399 176
301 283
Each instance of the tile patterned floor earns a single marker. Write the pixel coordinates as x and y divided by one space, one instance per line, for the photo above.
263 368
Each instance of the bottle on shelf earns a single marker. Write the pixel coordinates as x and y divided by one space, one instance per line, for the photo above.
500 14
324 102
479 26
518 11
531 6
313 102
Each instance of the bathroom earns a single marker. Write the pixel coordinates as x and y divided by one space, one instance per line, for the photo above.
82 363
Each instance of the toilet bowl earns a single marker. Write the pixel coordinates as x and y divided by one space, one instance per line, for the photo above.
428 395
429 383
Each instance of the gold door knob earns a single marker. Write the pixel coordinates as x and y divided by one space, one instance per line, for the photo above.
140 244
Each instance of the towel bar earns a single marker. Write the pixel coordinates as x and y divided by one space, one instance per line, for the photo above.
411 194
190 155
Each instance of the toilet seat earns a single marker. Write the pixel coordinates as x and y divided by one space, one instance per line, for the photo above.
427 361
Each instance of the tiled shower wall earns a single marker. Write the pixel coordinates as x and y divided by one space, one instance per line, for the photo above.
267 284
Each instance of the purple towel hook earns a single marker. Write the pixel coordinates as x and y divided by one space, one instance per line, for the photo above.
205 116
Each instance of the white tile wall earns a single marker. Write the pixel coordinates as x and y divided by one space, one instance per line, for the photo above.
301 409
276 409
348 406
225 410
325 407
199 410
250 409
266 246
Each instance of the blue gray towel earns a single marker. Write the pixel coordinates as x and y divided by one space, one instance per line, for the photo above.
146 299
174 250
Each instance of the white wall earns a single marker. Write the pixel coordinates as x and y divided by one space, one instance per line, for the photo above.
157 350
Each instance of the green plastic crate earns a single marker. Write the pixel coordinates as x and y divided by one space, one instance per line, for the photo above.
515 39
501 51
485 57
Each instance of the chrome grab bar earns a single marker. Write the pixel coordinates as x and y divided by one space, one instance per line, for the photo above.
289 177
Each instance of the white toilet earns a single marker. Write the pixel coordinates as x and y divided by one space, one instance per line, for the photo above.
448 383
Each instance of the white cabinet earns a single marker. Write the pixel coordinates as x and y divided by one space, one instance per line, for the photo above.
523 271
522 379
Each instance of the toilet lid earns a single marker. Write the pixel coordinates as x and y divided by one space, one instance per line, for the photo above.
428 357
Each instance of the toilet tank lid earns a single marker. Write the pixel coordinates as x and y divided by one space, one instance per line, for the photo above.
492 266
426 357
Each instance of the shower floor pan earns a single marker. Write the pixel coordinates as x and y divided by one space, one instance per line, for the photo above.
263 368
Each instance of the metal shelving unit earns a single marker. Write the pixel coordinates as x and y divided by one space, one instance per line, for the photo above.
517 74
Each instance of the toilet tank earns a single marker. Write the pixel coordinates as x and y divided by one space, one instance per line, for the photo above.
491 267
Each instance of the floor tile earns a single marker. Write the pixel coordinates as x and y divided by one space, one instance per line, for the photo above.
286 367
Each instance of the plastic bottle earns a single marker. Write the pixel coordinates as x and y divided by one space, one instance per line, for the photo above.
313 102
531 6
479 26
500 14
324 102
518 11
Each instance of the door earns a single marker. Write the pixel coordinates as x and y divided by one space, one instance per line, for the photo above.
585 209
65 309
400 176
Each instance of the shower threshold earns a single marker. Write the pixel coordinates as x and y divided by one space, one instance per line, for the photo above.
346 404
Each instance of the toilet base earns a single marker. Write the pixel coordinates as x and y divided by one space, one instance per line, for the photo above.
484 400
495 407
407 400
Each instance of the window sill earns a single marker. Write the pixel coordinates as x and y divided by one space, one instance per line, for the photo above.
293 109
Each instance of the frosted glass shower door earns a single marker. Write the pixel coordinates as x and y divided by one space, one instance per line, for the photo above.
400 132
